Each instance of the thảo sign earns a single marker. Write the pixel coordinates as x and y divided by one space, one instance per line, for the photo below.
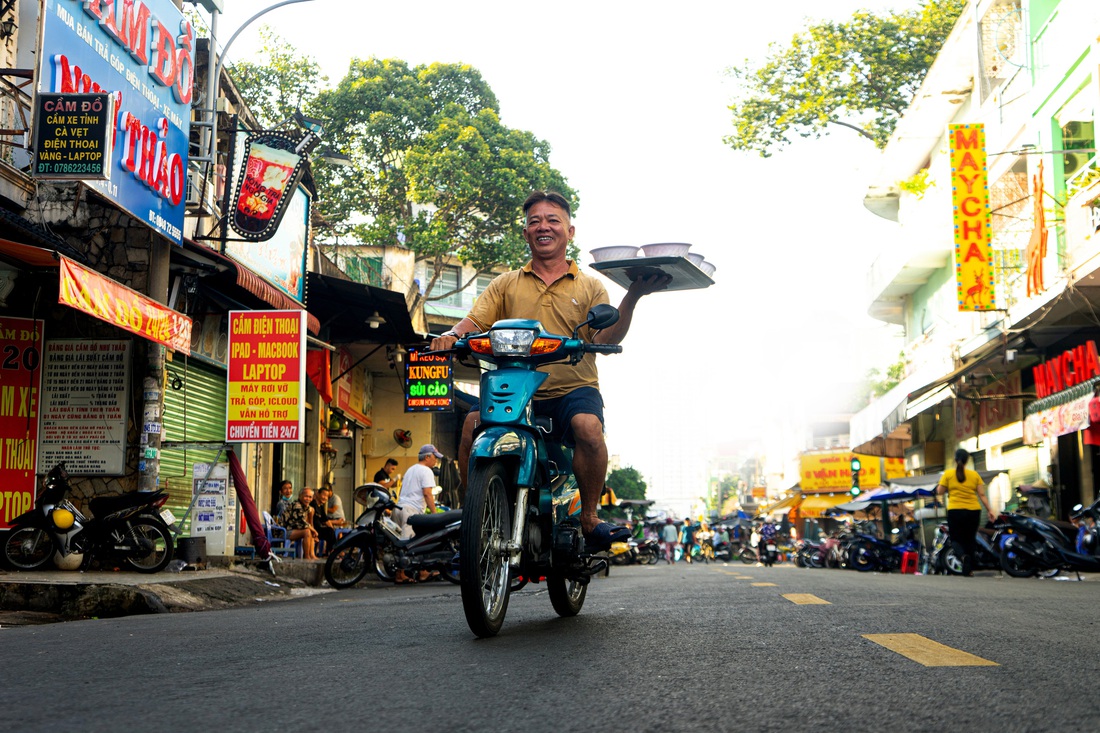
141 52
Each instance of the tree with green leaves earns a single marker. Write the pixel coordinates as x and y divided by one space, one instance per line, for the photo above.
432 167
627 483
286 83
860 75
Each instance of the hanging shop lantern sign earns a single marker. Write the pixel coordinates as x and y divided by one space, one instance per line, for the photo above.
265 180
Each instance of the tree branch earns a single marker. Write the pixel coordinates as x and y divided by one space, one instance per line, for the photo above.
860 130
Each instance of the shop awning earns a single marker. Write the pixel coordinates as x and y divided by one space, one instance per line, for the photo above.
782 505
348 309
816 505
224 267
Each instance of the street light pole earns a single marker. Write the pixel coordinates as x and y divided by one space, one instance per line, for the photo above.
213 85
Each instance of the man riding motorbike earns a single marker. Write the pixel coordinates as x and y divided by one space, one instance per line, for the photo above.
552 290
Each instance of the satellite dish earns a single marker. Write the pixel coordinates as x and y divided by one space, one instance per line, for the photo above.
403 438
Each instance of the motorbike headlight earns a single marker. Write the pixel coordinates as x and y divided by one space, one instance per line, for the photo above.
511 342
514 342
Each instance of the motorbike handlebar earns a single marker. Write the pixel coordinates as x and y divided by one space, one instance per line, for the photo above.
603 349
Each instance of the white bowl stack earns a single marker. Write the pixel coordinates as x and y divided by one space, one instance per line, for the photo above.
660 249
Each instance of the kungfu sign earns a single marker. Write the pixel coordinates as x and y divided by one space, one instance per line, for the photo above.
428 382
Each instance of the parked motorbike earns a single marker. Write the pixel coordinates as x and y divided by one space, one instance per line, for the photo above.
126 529
723 551
522 509
375 543
640 552
945 559
1033 545
867 552
811 554
748 554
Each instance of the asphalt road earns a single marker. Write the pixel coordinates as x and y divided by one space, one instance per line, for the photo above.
659 648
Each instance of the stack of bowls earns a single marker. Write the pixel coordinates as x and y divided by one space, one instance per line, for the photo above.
661 249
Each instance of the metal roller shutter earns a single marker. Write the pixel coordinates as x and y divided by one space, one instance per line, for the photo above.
1022 464
194 411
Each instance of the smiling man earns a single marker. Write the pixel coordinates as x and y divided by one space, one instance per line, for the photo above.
551 289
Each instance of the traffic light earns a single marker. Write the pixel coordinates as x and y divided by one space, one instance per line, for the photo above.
855 490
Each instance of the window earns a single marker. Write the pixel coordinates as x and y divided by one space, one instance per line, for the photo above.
447 282
366 270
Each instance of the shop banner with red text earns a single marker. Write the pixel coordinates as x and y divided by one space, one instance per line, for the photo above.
266 373
20 383
107 300
833 470
970 207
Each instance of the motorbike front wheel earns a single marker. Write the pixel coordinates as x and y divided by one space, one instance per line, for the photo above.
154 543
346 566
1017 564
862 557
486 530
28 548
748 556
566 596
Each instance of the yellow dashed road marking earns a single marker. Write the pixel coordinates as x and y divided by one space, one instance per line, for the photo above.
762 585
806 599
927 652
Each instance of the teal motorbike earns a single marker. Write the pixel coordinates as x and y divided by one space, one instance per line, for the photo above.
521 514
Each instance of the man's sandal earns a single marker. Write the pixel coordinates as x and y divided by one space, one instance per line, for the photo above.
602 537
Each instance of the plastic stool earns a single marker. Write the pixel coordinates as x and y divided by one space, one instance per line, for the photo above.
909 562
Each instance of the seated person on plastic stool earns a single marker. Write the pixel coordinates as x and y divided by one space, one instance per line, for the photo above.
321 520
297 518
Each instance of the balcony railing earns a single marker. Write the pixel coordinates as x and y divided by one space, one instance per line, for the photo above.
15 117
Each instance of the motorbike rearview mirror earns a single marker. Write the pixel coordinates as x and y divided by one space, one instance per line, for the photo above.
1078 507
599 317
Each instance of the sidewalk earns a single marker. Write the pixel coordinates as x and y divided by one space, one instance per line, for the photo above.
56 595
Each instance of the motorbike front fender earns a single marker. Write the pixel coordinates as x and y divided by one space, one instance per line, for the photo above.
519 446
357 537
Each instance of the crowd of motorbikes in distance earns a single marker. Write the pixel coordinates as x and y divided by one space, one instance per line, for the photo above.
1022 544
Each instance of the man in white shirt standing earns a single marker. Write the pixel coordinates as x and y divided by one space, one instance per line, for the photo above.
417 493
417 488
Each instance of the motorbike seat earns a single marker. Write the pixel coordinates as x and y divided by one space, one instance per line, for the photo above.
427 523
103 505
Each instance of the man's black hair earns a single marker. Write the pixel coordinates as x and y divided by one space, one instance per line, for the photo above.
552 196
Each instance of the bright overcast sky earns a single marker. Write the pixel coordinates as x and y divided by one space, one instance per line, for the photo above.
633 101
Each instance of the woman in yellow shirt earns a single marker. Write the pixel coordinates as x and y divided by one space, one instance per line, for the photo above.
965 498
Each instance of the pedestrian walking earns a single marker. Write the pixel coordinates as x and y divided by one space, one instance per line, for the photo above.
669 536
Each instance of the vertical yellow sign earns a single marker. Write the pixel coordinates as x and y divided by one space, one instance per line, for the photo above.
970 202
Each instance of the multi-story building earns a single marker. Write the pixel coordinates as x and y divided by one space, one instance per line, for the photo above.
1001 364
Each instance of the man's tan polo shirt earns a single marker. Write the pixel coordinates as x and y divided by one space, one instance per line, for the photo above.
559 307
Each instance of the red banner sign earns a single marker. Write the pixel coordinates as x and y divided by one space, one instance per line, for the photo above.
20 376
267 376
113 302
1071 367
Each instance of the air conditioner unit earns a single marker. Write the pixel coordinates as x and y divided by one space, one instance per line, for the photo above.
1072 131
200 195
1073 162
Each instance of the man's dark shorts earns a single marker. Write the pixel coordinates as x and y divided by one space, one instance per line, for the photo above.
560 410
